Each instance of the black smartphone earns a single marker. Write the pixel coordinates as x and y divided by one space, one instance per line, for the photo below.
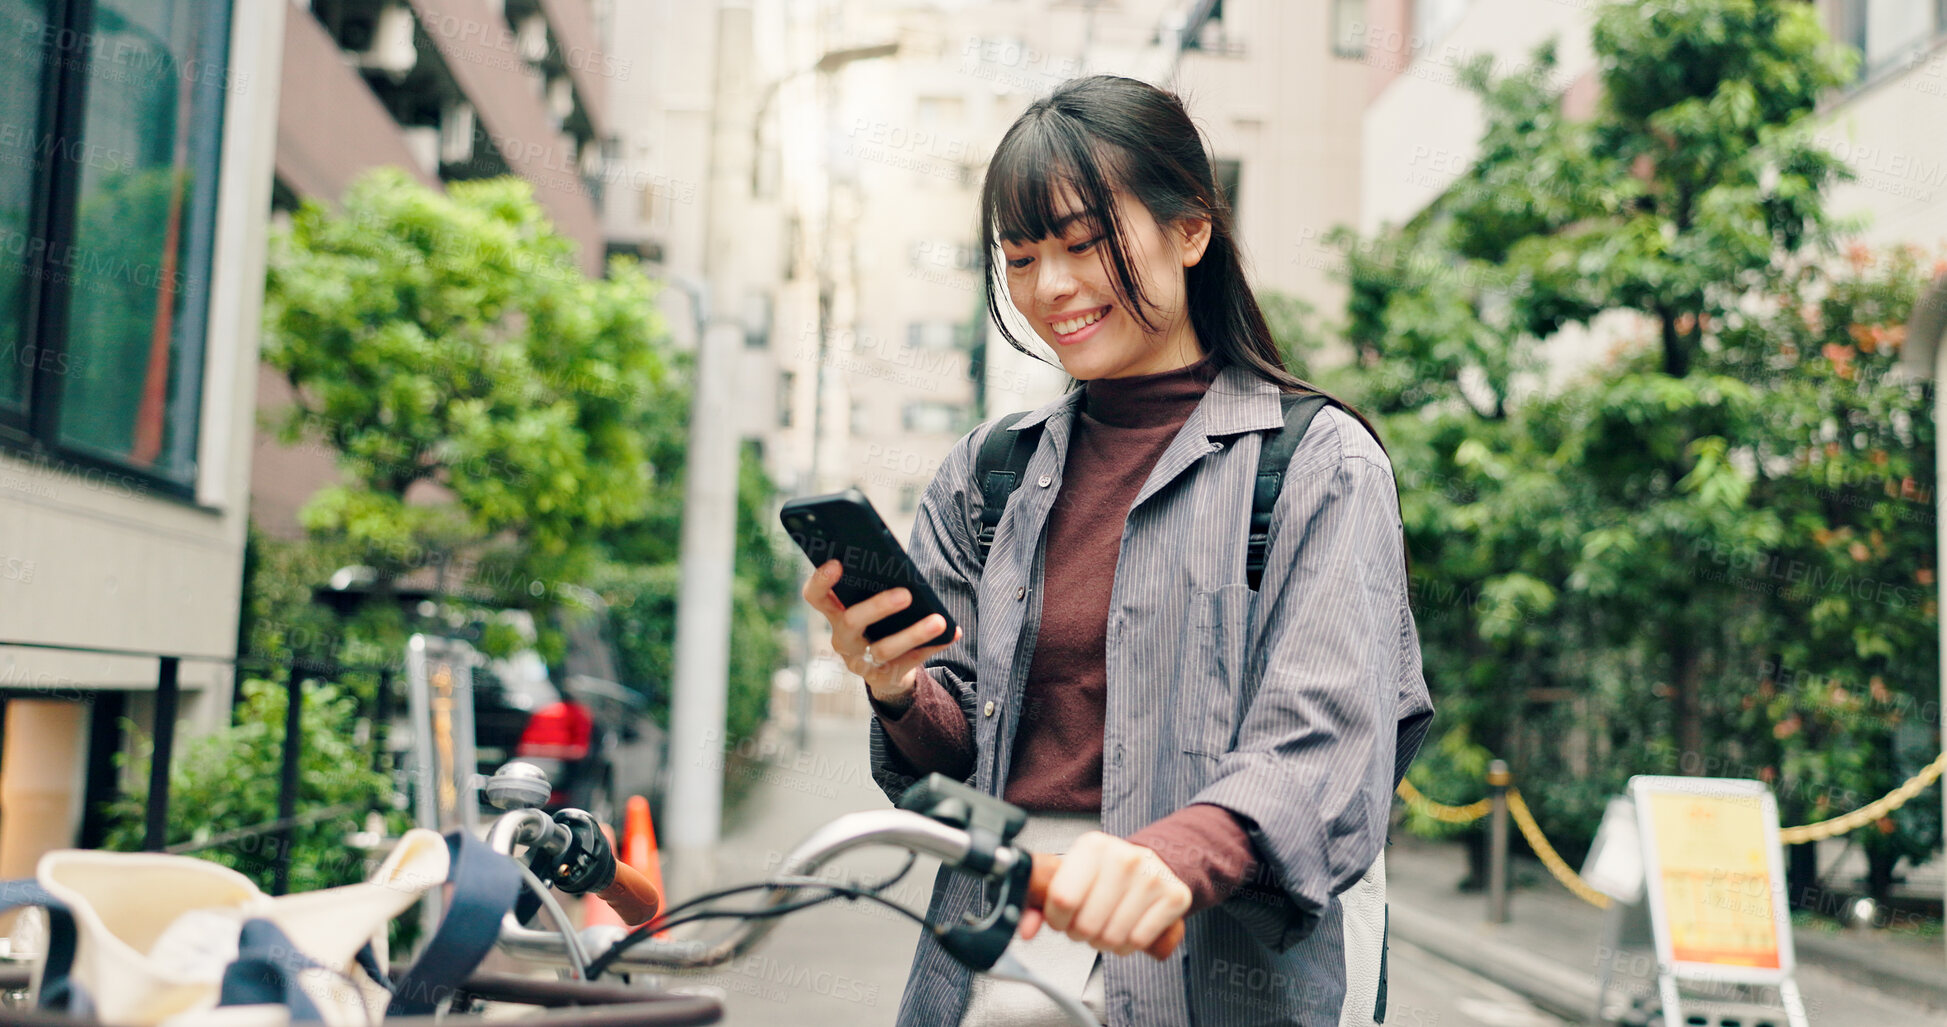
843 526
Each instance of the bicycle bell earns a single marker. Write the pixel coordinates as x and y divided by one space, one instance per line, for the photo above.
518 785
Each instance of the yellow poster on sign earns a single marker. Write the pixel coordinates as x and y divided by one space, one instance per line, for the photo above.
1715 871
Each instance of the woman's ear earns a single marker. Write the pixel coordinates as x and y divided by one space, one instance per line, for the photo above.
1193 237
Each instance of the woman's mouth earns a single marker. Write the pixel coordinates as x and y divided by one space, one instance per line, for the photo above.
1076 329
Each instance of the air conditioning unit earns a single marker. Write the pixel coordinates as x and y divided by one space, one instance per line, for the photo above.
531 38
391 48
423 143
456 133
561 98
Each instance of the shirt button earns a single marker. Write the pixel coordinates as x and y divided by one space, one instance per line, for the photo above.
1021 593
1046 480
988 710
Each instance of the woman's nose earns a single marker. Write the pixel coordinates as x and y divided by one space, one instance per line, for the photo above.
1055 283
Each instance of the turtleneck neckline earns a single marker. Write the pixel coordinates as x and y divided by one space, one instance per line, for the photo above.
1148 400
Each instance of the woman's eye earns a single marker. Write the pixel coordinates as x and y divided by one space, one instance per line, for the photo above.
1084 247
1018 263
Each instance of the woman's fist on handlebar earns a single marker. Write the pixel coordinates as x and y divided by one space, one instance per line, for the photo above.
890 666
1111 894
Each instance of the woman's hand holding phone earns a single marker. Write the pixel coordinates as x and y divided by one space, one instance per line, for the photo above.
892 673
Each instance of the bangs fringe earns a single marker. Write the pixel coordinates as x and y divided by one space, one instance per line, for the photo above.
1023 187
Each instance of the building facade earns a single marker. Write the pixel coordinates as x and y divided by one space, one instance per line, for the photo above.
135 185
448 90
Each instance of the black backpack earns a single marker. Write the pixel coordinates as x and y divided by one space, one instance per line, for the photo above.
1003 460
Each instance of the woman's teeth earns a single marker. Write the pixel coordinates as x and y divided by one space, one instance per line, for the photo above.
1073 325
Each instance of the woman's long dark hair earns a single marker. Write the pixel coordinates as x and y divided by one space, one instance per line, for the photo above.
1105 132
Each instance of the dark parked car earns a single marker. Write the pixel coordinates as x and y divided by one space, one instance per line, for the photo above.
577 722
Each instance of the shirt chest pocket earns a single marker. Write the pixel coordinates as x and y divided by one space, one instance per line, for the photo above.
1210 706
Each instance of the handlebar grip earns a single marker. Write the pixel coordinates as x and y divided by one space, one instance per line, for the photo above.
632 897
1042 872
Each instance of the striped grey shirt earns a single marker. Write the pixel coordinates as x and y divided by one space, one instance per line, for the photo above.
1297 707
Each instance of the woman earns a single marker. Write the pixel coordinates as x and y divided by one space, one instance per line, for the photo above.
1193 746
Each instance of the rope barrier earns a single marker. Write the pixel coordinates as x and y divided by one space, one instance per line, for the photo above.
1551 859
1449 814
1868 813
1559 868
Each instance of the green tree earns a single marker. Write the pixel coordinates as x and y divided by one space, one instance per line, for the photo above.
500 418
486 401
1607 569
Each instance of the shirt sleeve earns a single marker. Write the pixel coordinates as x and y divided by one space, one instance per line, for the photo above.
931 732
942 549
1341 704
1206 848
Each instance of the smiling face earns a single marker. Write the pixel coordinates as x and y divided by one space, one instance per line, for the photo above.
1065 285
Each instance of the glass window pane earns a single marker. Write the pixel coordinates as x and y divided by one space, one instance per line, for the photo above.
23 25
130 391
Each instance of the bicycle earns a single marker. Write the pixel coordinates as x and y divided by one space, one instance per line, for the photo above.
967 830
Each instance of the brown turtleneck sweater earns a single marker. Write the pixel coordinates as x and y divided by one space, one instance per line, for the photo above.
1120 432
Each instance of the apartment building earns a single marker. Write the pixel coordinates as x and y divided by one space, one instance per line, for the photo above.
448 90
135 186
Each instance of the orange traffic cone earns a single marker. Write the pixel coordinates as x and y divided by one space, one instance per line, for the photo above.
639 841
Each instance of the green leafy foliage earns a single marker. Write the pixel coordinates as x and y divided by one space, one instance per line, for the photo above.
1711 550
504 426
446 345
229 780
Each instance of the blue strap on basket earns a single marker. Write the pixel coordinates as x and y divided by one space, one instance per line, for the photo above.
485 885
266 972
57 989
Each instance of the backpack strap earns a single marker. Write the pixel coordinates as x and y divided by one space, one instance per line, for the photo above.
1272 460
998 469
1003 460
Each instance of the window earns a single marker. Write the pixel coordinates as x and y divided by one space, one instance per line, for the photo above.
757 320
931 417
908 498
932 334
1888 34
1433 19
861 418
937 254
1228 174
940 112
1348 28
110 122
21 65
787 383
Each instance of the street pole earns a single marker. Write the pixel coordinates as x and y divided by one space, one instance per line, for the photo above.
1931 304
1925 358
1498 780
828 99
699 693
826 87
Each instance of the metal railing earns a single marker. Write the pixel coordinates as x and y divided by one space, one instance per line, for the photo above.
298 669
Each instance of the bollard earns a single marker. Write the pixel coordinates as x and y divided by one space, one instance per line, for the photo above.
1498 780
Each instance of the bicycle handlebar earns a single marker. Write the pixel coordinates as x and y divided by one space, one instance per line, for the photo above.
633 897
912 831
1043 872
